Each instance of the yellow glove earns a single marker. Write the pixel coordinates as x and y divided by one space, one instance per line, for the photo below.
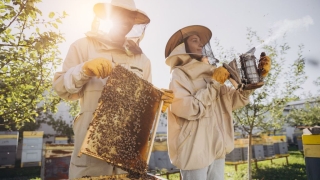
264 65
167 98
98 67
220 75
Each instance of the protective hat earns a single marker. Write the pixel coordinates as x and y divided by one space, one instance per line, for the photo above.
174 44
101 9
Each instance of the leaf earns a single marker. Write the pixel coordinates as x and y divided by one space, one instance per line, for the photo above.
59 21
55 25
51 14
65 14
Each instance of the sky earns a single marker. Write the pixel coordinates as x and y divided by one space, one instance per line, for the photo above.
227 19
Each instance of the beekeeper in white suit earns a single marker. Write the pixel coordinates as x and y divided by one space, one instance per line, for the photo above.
88 64
200 125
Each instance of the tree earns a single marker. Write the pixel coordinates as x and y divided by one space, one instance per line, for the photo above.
29 55
58 124
265 110
309 114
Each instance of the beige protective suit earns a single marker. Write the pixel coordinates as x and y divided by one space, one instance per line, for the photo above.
72 84
200 125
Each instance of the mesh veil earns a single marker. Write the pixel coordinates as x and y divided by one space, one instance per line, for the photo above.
207 52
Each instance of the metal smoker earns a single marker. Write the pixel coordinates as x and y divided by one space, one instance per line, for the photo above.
248 75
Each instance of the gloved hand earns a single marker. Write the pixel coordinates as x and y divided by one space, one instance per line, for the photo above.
167 98
264 65
98 67
220 74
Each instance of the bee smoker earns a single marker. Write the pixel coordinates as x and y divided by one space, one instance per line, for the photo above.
248 76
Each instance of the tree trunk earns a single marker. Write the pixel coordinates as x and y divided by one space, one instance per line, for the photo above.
249 157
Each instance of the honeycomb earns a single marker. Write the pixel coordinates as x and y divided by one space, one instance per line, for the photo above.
120 129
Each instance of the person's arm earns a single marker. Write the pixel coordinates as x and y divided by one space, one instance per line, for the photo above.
188 104
69 82
239 98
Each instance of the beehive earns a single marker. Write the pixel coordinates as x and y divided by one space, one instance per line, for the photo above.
235 155
8 148
121 127
32 148
311 148
56 161
61 140
257 152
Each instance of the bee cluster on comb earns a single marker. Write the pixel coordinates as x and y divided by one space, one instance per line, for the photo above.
120 129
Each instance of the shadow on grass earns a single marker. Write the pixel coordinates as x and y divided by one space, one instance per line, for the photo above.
287 172
18 173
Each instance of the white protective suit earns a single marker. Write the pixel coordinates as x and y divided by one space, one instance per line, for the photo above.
72 84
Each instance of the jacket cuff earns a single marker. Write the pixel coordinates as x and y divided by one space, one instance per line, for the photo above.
247 93
75 79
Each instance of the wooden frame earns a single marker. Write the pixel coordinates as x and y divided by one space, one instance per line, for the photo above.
125 122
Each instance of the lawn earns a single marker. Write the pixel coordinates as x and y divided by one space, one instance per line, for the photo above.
267 171
295 170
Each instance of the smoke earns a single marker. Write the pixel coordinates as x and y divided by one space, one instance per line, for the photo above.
286 26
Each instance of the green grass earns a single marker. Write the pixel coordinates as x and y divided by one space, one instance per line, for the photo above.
295 170
17 173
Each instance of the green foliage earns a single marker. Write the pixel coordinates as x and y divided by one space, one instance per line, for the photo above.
31 173
265 110
295 170
61 127
29 56
58 124
74 107
308 115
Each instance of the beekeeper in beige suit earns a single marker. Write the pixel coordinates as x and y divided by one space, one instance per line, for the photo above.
200 127
88 64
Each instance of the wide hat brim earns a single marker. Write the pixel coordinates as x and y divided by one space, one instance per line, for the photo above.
178 37
141 17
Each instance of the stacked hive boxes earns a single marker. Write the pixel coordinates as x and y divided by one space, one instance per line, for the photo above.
235 155
8 148
32 148
159 158
262 148
280 145
257 149
61 140
268 148
56 161
311 148
243 143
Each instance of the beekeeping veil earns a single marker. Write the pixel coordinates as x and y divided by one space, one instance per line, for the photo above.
176 46
101 21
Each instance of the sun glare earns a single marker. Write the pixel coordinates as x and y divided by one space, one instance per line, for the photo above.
106 25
